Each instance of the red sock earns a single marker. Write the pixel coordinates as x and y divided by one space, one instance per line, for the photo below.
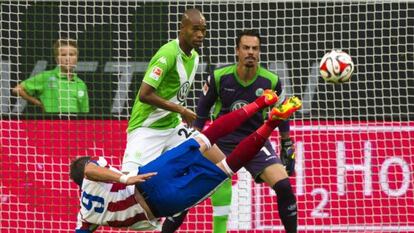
255 106
229 122
247 149
267 128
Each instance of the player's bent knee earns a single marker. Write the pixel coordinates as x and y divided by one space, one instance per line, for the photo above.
214 154
273 174
203 145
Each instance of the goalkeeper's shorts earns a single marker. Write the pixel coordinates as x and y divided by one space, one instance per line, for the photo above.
185 177
264 158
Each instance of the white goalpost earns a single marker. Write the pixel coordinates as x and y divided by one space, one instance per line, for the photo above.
354 141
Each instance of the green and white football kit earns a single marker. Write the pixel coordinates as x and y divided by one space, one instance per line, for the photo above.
153 130
57 93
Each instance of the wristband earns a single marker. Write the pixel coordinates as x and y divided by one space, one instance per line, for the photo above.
124 178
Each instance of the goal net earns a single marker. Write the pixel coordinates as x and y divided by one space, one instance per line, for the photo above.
354 141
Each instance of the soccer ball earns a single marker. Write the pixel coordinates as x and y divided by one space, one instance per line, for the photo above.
336 66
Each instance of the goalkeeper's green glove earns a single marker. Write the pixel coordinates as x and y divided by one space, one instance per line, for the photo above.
287 155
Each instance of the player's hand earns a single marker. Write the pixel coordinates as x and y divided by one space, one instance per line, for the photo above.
198 129
287 155
188 116
131 179
40 104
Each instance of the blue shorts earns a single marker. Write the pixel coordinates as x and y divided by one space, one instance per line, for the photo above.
185 177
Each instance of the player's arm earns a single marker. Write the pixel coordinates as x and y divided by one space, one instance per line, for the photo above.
19 90
157 71
206 100
284 127
84 101
287 149
96 173
147 94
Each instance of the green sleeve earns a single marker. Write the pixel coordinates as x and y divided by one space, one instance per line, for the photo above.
34 85
158 68
84 102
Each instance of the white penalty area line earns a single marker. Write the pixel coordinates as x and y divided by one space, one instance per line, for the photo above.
361 128
392 228
358 228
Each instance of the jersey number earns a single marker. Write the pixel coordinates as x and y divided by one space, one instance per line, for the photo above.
90 199
186 132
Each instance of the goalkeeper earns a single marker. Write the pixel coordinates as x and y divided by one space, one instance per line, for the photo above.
173 182
228 89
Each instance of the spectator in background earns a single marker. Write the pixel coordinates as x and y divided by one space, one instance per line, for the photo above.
59 90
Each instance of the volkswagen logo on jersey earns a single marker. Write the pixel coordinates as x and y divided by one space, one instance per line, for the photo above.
259 91
52 82
238 104
81 93
182 93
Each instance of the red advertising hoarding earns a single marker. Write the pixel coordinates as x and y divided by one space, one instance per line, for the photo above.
350 177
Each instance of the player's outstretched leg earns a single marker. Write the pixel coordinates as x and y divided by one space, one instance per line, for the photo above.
171 224
229 122
286 200
286 109
250 146
221 201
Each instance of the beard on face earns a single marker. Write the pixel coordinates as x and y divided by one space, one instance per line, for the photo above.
250 62
249 65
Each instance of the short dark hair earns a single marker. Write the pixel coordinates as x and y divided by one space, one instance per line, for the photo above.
63 42
77 169
247 33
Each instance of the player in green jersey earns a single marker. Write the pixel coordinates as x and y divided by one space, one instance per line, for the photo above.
156 122
156 119
59 90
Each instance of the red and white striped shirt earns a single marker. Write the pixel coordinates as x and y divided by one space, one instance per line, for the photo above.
111 204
